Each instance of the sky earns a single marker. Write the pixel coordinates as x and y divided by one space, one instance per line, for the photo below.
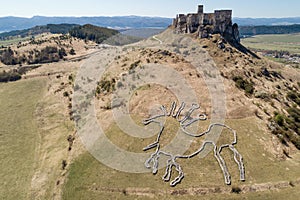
161 8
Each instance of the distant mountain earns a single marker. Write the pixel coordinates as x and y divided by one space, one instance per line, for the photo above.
18 23
124 22
142 32
266 21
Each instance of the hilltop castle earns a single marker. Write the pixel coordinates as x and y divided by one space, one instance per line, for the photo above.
205 24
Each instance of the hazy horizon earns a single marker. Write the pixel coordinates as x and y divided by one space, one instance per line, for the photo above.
154 8
140 16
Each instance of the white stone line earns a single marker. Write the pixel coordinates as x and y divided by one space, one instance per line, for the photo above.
239 162
154 158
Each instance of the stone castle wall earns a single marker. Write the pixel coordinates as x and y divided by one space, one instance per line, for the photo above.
219 22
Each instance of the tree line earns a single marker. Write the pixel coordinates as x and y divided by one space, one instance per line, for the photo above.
86 32
260 30
93 33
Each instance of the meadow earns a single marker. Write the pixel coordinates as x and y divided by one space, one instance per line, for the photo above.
282 42
14 41
18 136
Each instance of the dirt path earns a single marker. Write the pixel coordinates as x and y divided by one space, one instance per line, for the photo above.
155 38
198 191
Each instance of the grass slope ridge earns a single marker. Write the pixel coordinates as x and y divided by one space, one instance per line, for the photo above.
87 32
49 28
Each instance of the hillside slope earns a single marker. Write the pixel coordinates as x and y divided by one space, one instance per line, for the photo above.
252 95
252 100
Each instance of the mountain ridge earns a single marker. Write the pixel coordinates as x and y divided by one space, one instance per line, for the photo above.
10 23
18 23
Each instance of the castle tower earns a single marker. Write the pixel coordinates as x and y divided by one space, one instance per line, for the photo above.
200 9
223 20
219 22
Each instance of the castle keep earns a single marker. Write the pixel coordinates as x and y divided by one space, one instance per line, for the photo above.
205 24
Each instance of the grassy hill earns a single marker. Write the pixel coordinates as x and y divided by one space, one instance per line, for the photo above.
87 32
43 157
271 163
50 47
49 28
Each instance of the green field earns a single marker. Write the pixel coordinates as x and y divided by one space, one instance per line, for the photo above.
18 136
89 179
16 40
6 43
285 42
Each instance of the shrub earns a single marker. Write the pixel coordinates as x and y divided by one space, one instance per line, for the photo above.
236 190
279 119
289 129
9 76
76 87
257 114
274 96
294 96
66 94
63 164
120 84
72 52
295 139
134 65
249 89
243 84
272 104
186 53
7 57
294 119
261 95
62 52
71 78
107 85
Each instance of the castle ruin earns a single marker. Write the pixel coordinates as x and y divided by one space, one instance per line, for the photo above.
205 24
